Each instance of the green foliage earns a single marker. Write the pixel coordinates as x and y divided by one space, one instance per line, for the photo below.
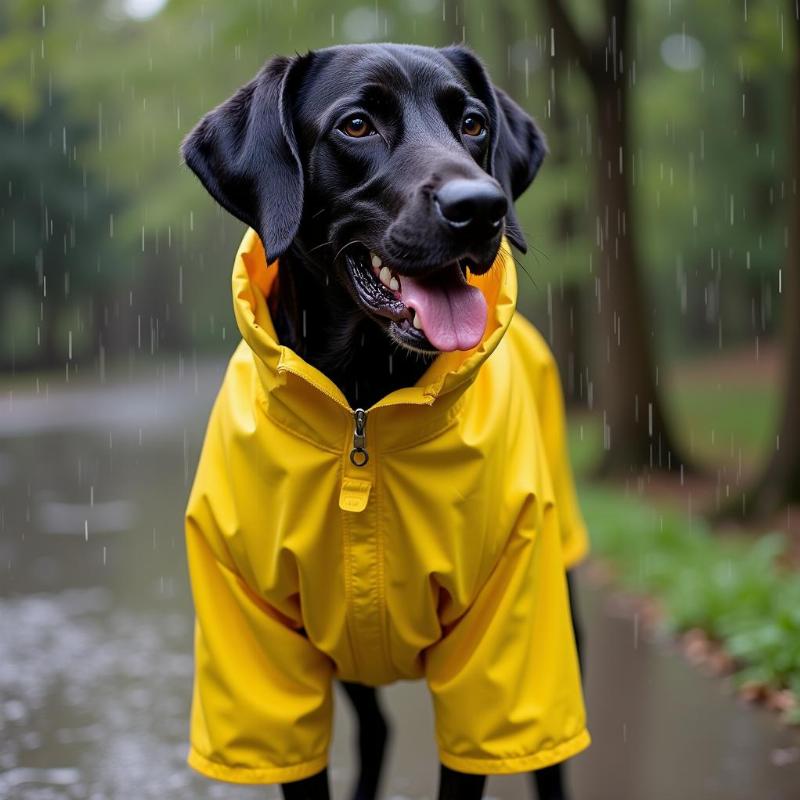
732 588
712 157
56 218
55 210
715 428
19 39
724 414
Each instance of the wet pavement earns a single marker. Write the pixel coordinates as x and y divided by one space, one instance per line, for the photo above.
96 626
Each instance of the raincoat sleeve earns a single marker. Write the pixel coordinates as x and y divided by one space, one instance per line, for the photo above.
549 401
261 708
504 678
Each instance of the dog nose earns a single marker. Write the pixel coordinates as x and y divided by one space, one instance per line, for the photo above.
476 204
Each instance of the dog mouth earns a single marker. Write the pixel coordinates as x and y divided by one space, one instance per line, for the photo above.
437 312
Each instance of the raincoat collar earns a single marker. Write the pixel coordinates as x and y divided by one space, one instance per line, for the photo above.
286 376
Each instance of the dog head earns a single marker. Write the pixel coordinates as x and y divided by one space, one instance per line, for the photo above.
394 167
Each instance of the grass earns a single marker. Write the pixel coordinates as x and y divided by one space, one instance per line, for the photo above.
718 414
733 588
717 421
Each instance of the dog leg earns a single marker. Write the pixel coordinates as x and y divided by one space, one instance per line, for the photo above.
313 788
459 786
549 783
373 733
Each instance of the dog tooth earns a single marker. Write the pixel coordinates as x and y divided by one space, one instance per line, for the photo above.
394 284
376 260
417 323
386 275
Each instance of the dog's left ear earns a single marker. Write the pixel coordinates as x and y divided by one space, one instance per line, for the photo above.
245 154
516 147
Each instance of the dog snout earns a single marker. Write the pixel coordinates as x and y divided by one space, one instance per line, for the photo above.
474 206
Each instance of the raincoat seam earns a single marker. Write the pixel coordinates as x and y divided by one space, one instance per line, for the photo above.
451 419
294 432
283 368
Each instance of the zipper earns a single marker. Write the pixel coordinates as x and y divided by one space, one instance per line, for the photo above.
359 455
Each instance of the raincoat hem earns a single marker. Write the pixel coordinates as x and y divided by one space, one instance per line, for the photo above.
510 766
242 774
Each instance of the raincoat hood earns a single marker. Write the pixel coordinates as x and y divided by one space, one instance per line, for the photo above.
254 279
422 538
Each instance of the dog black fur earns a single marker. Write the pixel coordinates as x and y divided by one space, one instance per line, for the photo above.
344 152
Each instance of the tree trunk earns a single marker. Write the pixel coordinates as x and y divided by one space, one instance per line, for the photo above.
635 432
779 483
565 307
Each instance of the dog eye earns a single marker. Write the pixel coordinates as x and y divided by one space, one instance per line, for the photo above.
357 128
473 126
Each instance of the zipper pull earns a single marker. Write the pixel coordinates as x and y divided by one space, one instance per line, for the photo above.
359 455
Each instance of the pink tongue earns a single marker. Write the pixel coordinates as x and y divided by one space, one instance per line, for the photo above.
452 313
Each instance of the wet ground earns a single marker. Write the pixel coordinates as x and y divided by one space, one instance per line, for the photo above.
96 623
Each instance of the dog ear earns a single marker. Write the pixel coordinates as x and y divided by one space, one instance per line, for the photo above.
516 147
517 152
245 154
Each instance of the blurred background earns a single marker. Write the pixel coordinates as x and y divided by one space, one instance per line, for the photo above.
664 270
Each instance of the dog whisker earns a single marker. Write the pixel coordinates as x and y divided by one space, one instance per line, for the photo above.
524 269
344 247
320 246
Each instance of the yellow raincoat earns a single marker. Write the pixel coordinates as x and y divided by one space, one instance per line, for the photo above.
439 558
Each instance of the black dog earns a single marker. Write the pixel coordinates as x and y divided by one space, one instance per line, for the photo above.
348 160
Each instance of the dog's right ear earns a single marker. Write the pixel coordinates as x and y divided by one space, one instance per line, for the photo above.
245 154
